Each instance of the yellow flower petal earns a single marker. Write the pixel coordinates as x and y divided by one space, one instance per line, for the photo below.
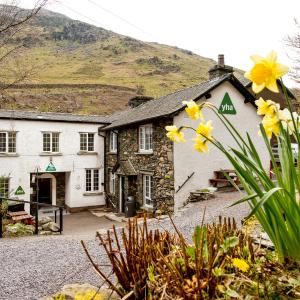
193 110
174 134
201 145
265 72
205 129
240 264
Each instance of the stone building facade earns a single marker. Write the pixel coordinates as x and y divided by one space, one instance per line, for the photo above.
127 167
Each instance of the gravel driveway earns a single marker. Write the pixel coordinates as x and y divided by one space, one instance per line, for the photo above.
33 267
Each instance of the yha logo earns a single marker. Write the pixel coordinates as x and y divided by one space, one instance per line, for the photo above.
227 107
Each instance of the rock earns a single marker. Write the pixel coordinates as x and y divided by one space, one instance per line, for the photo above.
52 226
46 298
45 232
44 220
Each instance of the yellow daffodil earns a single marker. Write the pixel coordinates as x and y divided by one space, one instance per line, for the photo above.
265 72
205 129
267 107
271 125
201 145
240 264
193 110
174 134
285 117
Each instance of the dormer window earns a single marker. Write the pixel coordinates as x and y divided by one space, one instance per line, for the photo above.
145 138
113 141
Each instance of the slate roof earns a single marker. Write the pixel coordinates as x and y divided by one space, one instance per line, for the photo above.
171 103
53 117
126 168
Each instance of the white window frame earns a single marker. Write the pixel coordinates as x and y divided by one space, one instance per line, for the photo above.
113 141
146 138
86 135
51 141
92 189
7 141
148 191
4 184
112 183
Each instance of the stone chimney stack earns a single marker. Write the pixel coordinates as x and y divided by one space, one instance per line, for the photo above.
138 100
220 68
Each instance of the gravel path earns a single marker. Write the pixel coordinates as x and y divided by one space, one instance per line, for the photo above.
33 267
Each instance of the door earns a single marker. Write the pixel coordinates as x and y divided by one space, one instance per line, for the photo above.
122 195
45 190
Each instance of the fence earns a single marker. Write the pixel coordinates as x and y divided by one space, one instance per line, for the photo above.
37 204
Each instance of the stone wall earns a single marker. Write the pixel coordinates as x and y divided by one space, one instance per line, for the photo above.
159 164
60 188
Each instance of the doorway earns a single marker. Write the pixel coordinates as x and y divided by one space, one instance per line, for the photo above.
45 190
122 195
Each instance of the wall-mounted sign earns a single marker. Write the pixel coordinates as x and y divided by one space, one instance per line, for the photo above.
19 191
50 167
227 107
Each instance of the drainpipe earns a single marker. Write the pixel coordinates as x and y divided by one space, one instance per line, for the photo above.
104 162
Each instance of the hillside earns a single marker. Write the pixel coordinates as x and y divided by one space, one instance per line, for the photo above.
59 50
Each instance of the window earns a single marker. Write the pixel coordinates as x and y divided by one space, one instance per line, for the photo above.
4 186
145 134
148 190
8 142
113 141
112 183
51 141
86 141
92 180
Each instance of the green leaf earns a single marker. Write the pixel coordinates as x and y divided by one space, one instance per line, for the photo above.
197 235
190 251
232 293
229 243
294 281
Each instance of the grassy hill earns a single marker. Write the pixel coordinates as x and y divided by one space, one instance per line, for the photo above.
66 58
59 50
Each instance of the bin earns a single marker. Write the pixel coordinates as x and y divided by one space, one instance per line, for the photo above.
130 209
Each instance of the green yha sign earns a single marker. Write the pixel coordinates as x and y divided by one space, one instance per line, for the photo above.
227 107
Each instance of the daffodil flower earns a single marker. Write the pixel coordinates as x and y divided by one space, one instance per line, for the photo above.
193 110
285 117
271 125
267 107
240 264
265 72
201 145
205 129
174 134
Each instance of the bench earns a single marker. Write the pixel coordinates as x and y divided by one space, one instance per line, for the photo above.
20 216
221 178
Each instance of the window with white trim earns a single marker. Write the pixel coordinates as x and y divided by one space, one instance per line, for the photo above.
113 141
148 190
51 142
8 142
145 138
87 141
92 180
112 182
4 186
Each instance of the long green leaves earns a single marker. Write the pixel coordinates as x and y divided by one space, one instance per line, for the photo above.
275 203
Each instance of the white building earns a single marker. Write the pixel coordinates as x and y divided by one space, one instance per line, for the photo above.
65 151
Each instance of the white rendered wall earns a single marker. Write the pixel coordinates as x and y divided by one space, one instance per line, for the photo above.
30 157
188 160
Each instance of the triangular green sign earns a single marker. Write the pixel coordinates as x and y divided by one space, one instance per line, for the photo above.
226 107
19 191
50 167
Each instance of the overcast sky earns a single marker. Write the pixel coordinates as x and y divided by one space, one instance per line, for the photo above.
235 28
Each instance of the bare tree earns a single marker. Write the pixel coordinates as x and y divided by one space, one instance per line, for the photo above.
293 43
13 21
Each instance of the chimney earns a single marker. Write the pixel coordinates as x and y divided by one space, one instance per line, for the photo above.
138 100
220 68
